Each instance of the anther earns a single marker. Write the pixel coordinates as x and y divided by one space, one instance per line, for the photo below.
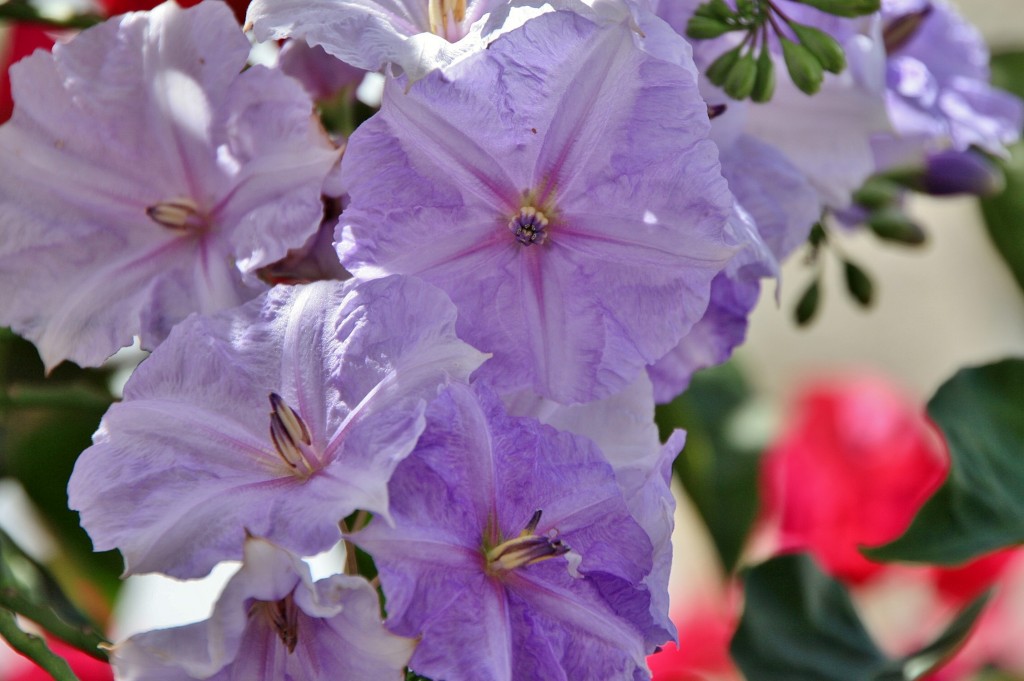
526 549
716 110
901 30
180 214
289 433
283 616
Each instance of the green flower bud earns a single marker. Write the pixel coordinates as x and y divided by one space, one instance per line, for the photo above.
716 9
892 225
804 68
740 81
764 85
702 28
808 305
877 192
823 46
858 283
844 8
721 67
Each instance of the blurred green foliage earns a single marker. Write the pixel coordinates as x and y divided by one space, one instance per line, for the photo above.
717 468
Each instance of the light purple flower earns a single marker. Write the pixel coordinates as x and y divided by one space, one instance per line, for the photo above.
278 418
141 177
623 428
774 200
322 75
272 623
560 187
938 92
513 553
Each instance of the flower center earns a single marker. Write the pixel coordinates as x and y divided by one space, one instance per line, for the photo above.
529 226
440 11
180 214
282 616
526 549
291 439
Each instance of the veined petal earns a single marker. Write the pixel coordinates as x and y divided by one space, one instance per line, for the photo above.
191 459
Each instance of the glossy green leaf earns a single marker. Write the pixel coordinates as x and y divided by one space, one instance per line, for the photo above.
1004 213
980 507
798 623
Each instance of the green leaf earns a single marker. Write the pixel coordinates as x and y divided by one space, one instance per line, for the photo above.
798 623
824 47
844 8
719 466
1004 215
804 68
979 508
808 305
931 658
858 283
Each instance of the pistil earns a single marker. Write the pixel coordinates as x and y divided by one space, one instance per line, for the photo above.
529 227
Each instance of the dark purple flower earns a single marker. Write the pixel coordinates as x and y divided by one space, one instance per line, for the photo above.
513 553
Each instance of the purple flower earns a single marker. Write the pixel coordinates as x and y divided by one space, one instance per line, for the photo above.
776 202
560 187
623 428
271 623
512 553
141 177
938 91
278 418
322 75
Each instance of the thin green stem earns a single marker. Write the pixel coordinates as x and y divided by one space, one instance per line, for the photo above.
53 397
34 648
85 638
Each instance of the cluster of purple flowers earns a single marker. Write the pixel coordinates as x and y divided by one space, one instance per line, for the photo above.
552 222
